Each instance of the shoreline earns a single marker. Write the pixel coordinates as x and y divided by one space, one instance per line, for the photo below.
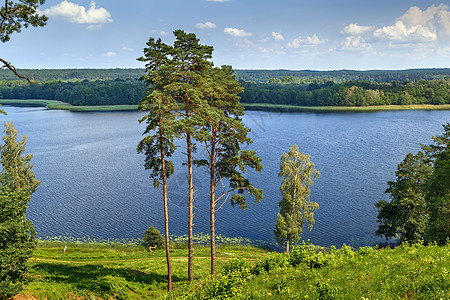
59 105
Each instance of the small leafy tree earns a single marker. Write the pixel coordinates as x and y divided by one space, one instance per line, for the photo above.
14 16
296 209
152 237
17 183
405 216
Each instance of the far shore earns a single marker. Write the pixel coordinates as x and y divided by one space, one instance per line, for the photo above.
59 105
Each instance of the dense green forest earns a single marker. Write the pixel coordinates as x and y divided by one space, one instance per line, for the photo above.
42 75
305 88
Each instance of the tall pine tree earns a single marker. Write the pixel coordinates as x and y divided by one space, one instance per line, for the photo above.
158 144
222 137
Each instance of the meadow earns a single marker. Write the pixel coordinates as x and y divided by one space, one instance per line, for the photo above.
127 270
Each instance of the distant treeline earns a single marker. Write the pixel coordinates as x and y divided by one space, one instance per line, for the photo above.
121 86
344 75
348 93
99 92
263 76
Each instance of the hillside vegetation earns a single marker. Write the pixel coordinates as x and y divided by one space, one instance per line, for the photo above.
300 88
120 271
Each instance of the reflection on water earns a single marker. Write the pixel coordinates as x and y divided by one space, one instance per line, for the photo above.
94 184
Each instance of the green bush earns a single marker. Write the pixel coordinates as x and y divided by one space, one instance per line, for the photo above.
152 237
273 261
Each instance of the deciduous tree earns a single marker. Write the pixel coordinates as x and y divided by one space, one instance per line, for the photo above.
17 183
438 189
296 209
405 216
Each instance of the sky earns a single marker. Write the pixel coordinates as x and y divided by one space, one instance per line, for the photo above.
246 34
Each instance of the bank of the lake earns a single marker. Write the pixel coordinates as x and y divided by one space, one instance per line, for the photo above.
59 105
107 271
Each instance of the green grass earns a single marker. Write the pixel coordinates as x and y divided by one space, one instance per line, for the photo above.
118 270
59 105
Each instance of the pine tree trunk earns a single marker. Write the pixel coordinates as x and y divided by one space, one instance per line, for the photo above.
287 246
191 210
212 217
166 221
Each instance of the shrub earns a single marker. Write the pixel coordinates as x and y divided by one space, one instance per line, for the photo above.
152 237
273 261
301 253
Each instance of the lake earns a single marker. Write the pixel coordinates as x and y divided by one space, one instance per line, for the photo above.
94 183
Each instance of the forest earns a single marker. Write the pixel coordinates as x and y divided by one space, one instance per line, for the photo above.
303 88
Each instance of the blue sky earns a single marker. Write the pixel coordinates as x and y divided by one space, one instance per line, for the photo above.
247 34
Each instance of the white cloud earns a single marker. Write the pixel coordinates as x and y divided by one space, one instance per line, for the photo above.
277 36
163 33
110 54
127 49
399 32
313 40
418 26
234 32
207 25
355 29
75 13
95 27
296 43
356 42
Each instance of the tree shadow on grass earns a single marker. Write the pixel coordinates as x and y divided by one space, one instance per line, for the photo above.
100 279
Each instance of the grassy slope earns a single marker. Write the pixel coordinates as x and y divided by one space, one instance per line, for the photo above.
90 271
54 104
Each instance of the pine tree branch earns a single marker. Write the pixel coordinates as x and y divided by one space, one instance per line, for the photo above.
13 69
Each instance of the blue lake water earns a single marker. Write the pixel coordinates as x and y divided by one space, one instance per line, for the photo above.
94 183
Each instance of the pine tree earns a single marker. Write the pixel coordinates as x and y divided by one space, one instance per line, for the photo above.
17 184
222 137
161 112
296 209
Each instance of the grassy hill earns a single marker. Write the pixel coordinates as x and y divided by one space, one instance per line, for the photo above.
119 271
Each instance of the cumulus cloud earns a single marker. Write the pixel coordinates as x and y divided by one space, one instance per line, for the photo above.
277 36
234 32
207 25
355 29
313 40
418 26
75 13
127 49
356 43
399 32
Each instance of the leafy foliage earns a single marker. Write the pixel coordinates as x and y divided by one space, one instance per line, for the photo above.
438 189
296 209
405 216
17 183
152 237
